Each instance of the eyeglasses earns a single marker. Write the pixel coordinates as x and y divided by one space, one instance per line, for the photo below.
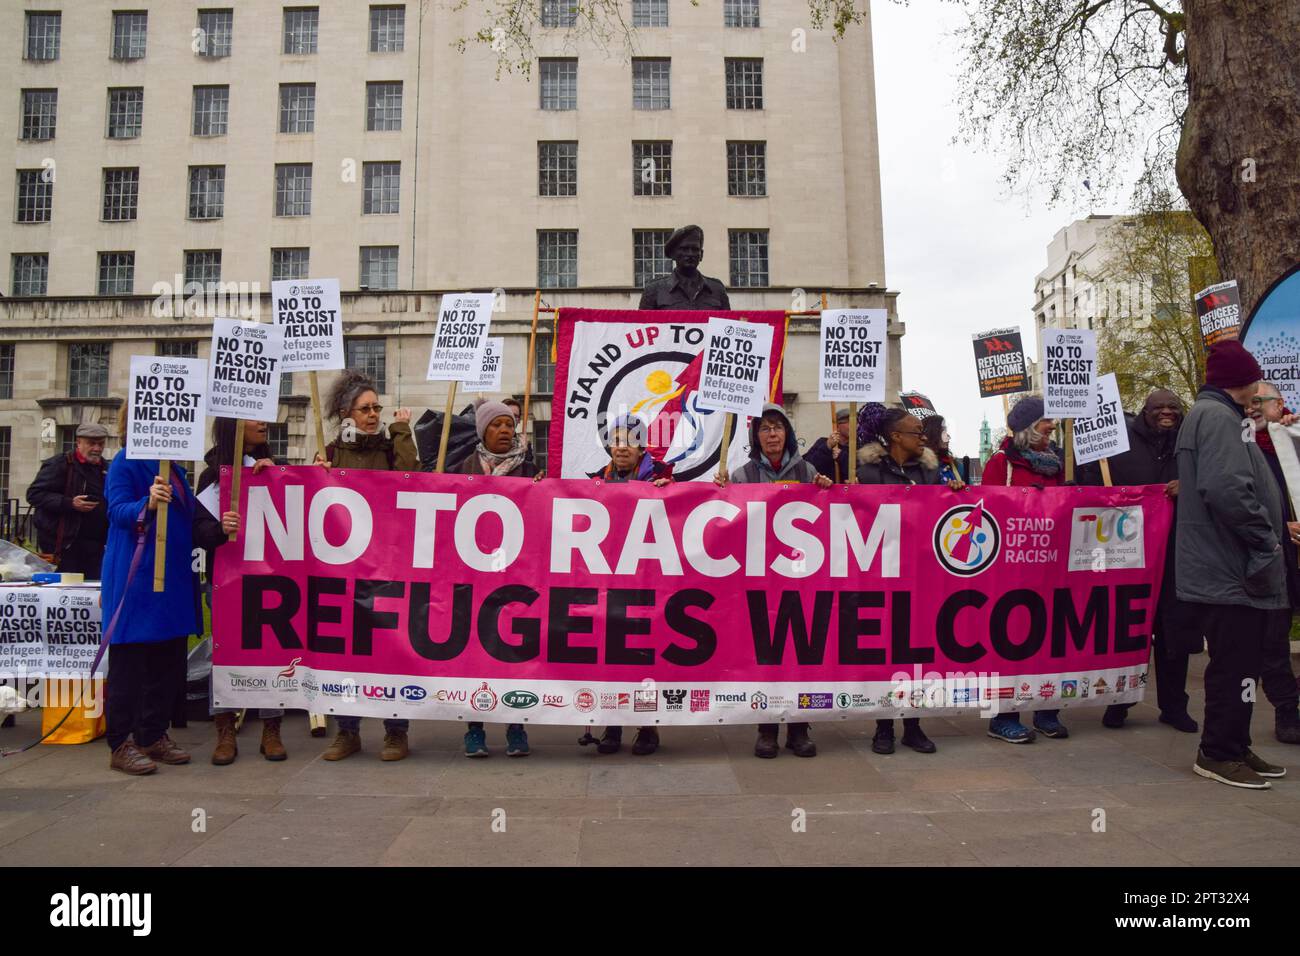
771 429
915 434
1261 399
367 409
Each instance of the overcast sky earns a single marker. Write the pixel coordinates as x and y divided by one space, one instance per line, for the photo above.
961 251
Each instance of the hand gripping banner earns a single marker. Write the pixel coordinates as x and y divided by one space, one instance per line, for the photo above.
575 602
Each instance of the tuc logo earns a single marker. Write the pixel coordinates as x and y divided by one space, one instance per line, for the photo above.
967 539
1103 539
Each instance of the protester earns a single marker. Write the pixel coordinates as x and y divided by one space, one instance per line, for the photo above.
1230 560
149 628
828 455
1027 457
210 533
68 510
353 401
1152 459
625 441
937 440
774 459
1276 675
517 409
499 453
891 451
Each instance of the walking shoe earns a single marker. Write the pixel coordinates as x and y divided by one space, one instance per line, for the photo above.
8 721
1050 727
798 741
476 742
272 748
1262 766
1114 716
516 741
646 743
1235 773
395 746
883 741
128 758
1287 729
1012 731
766 746
1183 722
914 737
164 750
227 749
345 744
610 741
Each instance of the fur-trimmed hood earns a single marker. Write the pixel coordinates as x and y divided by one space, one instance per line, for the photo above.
873 453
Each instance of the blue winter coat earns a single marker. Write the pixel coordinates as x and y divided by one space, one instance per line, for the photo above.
148 616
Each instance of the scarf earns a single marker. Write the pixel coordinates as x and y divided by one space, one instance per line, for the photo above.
1046 462
503 464
644 470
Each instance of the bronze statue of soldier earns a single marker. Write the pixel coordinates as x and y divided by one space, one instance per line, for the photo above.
685 287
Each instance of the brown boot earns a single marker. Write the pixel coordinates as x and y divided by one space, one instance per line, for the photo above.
272 748
395 746
345 744
128 759
227 748
164 750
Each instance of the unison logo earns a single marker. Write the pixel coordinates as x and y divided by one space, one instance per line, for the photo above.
74 909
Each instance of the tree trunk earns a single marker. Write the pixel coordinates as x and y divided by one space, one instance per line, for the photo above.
1238 164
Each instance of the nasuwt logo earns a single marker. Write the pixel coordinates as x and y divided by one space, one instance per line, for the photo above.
967 539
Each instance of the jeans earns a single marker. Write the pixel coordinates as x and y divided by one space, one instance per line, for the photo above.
1234 635
141 690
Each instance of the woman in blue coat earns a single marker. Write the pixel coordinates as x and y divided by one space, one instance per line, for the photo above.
151 628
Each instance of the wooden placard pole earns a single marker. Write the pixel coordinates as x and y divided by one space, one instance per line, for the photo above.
725 449
160 532
835 427
1105 472
852 475
446 428
1069 449
528 369
316 411
237 473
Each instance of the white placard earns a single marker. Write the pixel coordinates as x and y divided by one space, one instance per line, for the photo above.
245 367
1069 373
854 355
72 631
461 337
22 632
165 404
1105 434
309 313
489 379
736 375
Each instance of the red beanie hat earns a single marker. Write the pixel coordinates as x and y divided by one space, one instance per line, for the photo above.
1229 365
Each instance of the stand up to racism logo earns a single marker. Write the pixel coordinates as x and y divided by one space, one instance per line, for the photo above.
967 539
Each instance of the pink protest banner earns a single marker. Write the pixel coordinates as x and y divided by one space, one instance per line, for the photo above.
451 597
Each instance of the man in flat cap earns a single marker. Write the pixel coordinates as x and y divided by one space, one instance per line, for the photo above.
685 287
68 509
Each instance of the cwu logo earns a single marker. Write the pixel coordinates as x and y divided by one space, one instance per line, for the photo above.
967 539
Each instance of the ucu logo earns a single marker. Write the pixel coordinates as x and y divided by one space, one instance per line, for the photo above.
380 693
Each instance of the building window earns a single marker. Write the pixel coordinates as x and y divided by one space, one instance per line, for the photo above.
557 169
297 107
88 370
387 29
383 106
744 84
121 194
541 438
6 443
289 263
277 435
557 258
116 273
649 13
207 192
40 110
543 367
559 84
35 195
178 348
748 248
130 29
211 110
7 371
286 384
301 25
125 112
747 169
650 83
31 273
293 189
378 267
381 189
43 31
559 13
203 268
652 168
216 30
67 438
368 356
740 13
648 259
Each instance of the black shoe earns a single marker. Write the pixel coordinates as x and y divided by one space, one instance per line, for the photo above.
1287 729
883 741
610 741
914 737
798 741
766 745
1114 716
8 721
647 741
1181 722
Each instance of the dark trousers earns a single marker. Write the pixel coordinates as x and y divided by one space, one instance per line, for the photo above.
789 728
353 724
1234 636
141 690
1276 676
83 557
1171 676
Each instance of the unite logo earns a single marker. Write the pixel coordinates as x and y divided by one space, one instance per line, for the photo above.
967 539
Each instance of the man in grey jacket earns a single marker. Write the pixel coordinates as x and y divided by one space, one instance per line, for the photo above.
1229 558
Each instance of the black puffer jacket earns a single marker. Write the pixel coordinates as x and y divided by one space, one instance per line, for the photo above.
50 494
877 467
1151 459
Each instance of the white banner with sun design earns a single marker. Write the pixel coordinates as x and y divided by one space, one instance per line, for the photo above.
610 364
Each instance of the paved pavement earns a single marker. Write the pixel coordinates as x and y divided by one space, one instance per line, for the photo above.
703 799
